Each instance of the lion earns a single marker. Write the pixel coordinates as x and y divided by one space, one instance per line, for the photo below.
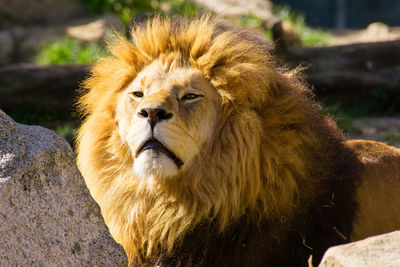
201 151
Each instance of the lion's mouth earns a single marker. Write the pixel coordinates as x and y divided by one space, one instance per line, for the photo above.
154 144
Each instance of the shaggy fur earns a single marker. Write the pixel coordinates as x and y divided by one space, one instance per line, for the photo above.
274 185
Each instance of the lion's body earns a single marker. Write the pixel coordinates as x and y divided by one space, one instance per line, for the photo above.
201 152
378 193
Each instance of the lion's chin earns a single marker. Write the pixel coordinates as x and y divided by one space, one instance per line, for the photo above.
155 164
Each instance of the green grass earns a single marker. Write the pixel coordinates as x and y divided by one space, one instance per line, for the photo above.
185 8
253 21
392 137
68 131
69 50
126 10
309 36
249 21
343 120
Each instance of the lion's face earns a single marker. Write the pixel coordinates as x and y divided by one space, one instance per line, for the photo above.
166 116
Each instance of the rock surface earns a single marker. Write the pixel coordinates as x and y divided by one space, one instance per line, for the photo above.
94 28
377 251
47 216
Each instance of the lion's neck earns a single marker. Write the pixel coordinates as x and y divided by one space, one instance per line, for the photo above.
155 221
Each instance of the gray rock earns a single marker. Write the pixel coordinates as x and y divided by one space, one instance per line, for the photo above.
94 28
47 216
376 251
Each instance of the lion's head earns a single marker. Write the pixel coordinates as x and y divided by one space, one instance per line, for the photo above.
192 122
167 116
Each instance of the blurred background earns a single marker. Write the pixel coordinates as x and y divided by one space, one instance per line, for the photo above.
350 50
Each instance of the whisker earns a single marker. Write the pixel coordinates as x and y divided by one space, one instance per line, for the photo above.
198 145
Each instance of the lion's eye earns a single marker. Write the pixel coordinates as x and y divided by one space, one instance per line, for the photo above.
138 94
190 96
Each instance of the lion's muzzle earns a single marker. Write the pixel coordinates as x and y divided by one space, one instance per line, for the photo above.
155 145
154 115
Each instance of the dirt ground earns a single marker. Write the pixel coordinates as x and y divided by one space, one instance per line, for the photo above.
375 32
386 129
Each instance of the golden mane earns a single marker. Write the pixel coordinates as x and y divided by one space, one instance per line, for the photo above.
259 165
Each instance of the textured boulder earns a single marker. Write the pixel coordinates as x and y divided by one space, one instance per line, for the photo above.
47 216
376 251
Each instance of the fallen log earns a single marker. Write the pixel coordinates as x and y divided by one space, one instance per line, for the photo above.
51 88
369 57
349 70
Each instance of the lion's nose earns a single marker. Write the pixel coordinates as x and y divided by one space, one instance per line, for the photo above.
154 115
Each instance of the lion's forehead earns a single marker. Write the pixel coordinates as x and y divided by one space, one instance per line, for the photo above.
155 77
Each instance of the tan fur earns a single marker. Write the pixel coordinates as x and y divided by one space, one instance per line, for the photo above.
254 107
378 194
